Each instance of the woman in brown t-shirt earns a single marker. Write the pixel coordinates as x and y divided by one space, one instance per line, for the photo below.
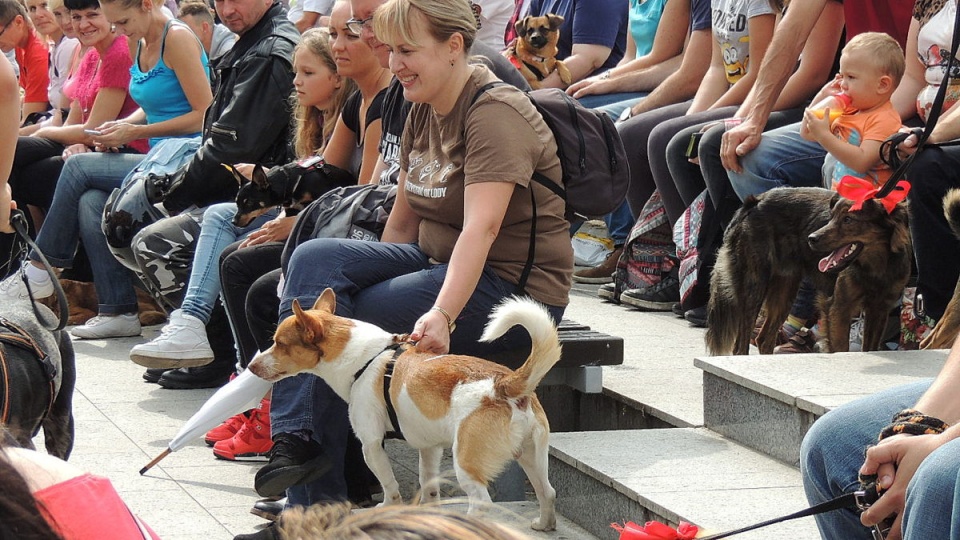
458 237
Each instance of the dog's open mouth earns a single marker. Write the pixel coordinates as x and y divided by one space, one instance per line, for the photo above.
840 257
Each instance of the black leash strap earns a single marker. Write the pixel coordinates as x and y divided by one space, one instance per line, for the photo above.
857 499
935 111
19 223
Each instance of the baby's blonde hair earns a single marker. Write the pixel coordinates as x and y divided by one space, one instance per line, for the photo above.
883 51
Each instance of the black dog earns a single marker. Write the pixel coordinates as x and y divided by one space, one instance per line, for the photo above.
291 186
38 377
855 259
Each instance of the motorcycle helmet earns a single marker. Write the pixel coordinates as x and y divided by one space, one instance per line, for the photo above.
129 209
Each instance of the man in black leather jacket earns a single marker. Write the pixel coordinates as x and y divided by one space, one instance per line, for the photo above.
247 122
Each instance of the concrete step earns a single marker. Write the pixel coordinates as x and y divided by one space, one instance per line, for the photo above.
669 475
768 402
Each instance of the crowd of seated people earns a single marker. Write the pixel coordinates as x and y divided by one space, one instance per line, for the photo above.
383 90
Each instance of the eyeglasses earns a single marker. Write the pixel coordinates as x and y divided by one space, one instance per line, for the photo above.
356 25
6 26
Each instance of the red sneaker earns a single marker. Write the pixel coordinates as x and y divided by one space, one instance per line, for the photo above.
252 441
227 429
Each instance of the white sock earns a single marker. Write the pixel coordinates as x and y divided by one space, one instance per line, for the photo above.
36 275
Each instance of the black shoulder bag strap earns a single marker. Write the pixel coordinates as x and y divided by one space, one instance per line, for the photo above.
888 151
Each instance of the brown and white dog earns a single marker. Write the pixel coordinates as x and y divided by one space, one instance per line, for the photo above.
534 52
487 413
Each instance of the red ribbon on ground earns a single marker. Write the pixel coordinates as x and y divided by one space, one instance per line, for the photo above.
860 190
654 530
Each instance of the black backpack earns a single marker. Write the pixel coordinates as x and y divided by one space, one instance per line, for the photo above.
594 163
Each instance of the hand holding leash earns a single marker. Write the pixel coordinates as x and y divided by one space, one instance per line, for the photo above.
895 460
432 332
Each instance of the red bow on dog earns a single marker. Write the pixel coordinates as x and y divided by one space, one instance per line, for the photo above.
859 190
654 530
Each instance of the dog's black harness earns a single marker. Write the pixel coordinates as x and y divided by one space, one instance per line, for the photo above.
398 349
12 334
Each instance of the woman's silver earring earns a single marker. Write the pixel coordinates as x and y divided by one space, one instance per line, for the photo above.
452 62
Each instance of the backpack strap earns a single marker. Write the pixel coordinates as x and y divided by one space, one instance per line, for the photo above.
542 180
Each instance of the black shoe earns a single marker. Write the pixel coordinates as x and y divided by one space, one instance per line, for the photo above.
153 375
697 316
268 533
209 376
678 310
293 461
268 509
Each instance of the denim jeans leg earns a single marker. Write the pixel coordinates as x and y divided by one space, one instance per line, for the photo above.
832 452
217 231
784 158
113 281
619 222
58 237
933 496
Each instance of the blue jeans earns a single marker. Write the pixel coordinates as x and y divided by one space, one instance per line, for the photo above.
784 158
75 214
217 231
832 452
612 104
619 222
391 286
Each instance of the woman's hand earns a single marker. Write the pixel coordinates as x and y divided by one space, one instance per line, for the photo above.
115 134
895 460
275 230
6 205
432 332
78 148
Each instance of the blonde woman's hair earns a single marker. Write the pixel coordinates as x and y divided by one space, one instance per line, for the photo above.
393 21
313 126
883 52
429 522
54 5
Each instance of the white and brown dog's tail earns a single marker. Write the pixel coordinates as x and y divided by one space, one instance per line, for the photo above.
543 333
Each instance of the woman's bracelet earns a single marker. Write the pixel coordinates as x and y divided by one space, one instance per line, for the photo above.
451 324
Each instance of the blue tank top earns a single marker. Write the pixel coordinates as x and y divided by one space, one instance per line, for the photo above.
158 91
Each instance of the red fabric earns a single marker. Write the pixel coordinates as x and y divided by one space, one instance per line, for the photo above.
859 190
890 16
34 62
654 530
88 508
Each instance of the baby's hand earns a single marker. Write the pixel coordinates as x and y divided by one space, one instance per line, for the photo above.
815 128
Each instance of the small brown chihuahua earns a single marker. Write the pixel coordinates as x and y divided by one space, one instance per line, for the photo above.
534 52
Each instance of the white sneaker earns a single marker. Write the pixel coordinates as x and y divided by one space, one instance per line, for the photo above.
182 343
108 326
14 288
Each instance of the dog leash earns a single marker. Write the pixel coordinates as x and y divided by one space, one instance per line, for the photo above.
888 150
19 223
860 499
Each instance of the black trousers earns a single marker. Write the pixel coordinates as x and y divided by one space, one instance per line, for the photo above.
934 172
248 285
